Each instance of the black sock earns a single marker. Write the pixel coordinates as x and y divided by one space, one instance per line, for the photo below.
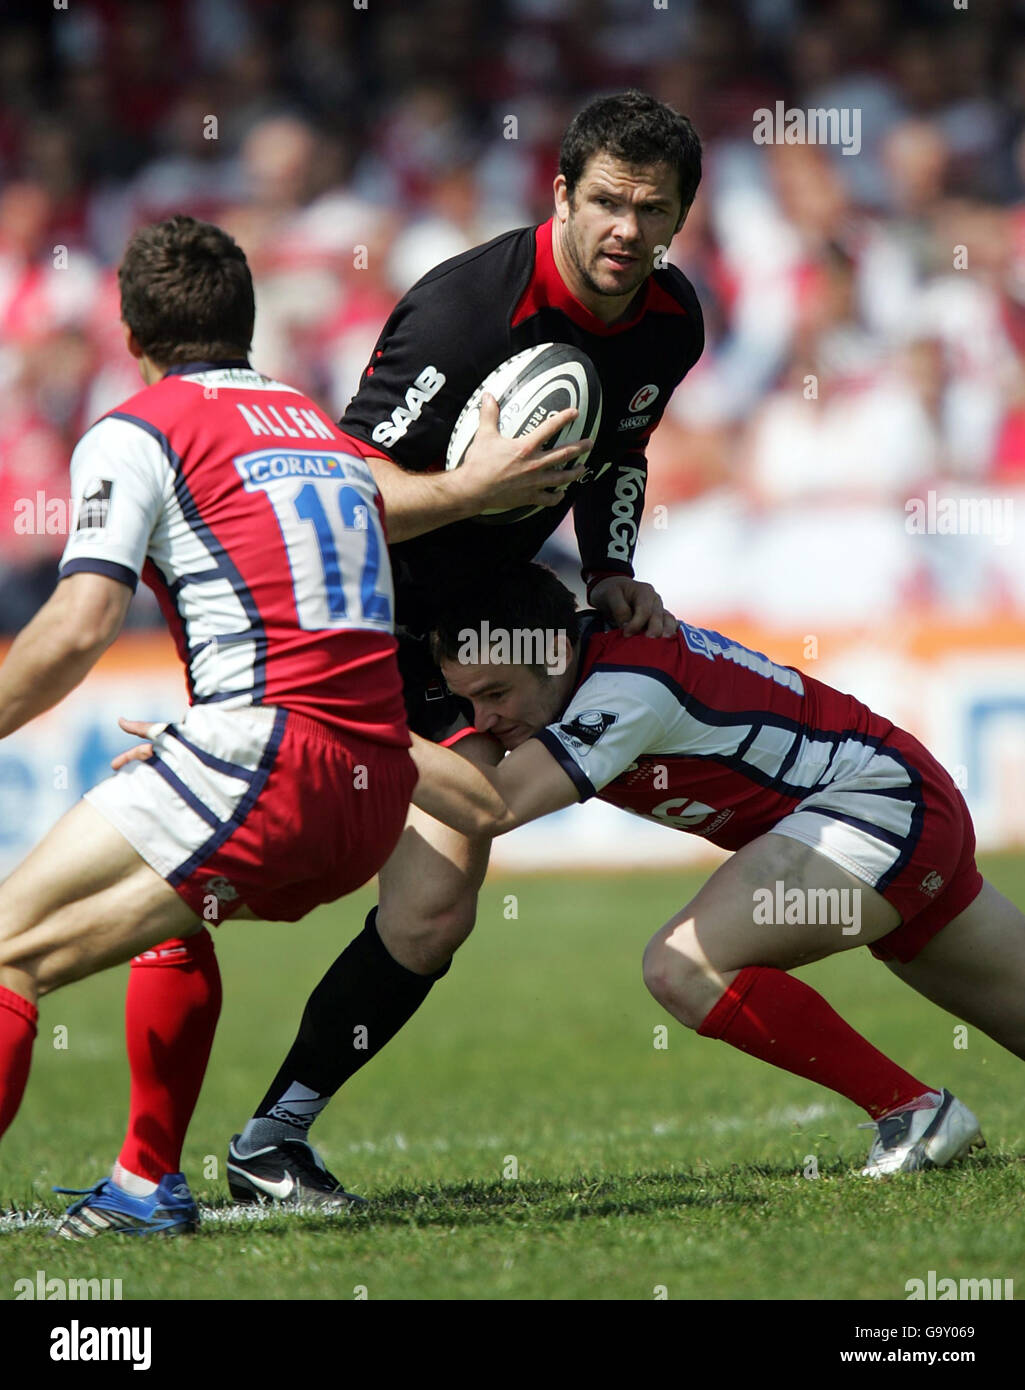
360 1004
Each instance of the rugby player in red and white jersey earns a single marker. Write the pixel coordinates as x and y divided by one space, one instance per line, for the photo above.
846 832
270 564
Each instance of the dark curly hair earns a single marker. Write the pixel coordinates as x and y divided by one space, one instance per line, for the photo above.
519 596
635 128
186 292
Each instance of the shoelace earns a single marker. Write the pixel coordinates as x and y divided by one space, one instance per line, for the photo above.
84 1192
897 1122
895 1126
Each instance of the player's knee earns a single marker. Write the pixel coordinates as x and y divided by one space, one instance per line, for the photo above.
439 929
677 981
21 977
46 983
451 925
52 972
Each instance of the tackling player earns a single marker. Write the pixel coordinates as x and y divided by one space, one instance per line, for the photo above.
847 833
270 566
593 275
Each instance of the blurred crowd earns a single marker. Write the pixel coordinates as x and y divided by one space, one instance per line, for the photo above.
865 313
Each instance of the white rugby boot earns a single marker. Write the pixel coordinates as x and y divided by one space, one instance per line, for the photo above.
930 1132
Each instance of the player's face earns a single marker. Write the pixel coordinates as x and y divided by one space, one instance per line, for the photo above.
510 702
618 218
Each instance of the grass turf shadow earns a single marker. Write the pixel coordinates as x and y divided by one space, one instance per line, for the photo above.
522 1201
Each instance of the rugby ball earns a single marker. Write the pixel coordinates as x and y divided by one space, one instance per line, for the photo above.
530 387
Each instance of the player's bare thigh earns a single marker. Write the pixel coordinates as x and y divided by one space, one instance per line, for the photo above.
81 901
428 887
739 918
975 968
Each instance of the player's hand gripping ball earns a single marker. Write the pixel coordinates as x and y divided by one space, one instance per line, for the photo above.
530 387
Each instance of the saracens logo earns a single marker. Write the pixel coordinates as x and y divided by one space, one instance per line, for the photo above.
643 398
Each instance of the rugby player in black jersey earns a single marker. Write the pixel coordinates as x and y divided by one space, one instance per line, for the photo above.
594 276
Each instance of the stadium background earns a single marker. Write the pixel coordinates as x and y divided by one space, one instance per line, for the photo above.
643 1169
865 313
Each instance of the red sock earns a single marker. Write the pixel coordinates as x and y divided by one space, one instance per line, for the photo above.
18 1019
770 1014
171 1012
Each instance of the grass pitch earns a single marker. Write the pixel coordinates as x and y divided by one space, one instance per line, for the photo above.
524 1137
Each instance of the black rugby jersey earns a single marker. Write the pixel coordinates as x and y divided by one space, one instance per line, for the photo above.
459 322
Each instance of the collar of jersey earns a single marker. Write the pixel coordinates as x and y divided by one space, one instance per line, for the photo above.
192 368
547 289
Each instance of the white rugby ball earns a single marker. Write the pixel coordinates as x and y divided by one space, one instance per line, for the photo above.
529 387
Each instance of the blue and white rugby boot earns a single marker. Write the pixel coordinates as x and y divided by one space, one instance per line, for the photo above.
170 1211
934 1130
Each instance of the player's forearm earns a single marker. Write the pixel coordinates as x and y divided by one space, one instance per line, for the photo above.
47 659
459 793
415 503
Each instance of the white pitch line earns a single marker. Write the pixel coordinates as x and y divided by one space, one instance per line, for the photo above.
213 1216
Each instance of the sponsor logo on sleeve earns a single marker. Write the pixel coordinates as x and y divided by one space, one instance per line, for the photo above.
94 507
629 495
586 729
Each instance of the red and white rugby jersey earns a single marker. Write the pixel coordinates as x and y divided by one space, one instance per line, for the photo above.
704 735
237 500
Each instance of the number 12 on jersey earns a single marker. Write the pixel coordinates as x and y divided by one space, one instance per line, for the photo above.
326 507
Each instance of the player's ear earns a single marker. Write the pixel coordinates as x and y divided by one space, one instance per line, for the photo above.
683 216
562 198
131 341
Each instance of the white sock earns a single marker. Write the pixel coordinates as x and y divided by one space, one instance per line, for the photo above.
131 1182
